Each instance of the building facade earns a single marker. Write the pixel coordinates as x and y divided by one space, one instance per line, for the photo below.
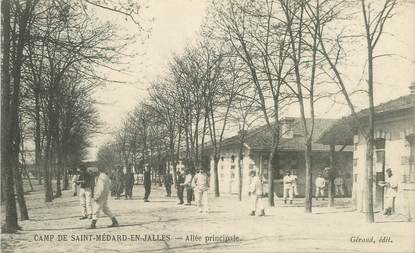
255 156
394 147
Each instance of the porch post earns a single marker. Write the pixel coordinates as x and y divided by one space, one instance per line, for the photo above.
331 172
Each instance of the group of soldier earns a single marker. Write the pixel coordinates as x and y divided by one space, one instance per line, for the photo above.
196 187
93 189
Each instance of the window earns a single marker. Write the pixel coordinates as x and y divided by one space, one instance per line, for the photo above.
222 158
287 129
380 156
233 158
232 167
355 162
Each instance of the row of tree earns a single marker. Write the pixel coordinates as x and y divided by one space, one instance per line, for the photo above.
53 53
254 59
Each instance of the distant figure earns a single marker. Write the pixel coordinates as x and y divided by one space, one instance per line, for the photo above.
180 187
101 193
294 180
119 177
188 187
288 188
255 194
320 186
74 184
391 183
85 182
147 183
201 182
129 183
339 186
168 181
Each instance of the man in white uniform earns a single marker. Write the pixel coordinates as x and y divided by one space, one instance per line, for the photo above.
320 185
201 182
288 189
255 194
101 193
391 184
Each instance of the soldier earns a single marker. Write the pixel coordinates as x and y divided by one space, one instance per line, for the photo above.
339 185
85 183
101 193
119 177
294 180
391 183
255 194
288 189
180 187
129 183
201 182
147 183
188 187
320 185
74 184
168 181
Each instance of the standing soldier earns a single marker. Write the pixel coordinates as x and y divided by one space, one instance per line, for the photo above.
320 185
85 182
147 183
339 185
288 189
189 188
201 182
129 183
168 181
294 180
180 187
119 177
391 184
101 193
74 184
255 194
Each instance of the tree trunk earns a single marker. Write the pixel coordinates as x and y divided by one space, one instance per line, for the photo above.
308 177
38 150
24 168
65 179
58 182
11 224
215 172
271 177
24 215
46 172
240 171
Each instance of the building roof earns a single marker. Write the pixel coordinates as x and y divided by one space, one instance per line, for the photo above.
344 129
260 138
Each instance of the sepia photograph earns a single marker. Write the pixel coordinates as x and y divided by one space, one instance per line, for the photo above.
207 126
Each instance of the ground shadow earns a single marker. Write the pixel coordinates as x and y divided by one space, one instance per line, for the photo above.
103 226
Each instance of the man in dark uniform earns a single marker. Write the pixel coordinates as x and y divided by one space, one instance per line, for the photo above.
119 177
168 181
147 183
180 187
129 183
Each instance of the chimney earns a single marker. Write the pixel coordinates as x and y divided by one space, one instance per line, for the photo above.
412 88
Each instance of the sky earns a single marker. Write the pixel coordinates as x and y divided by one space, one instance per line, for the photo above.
176 23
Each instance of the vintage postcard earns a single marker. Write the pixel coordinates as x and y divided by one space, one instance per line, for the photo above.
207 126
